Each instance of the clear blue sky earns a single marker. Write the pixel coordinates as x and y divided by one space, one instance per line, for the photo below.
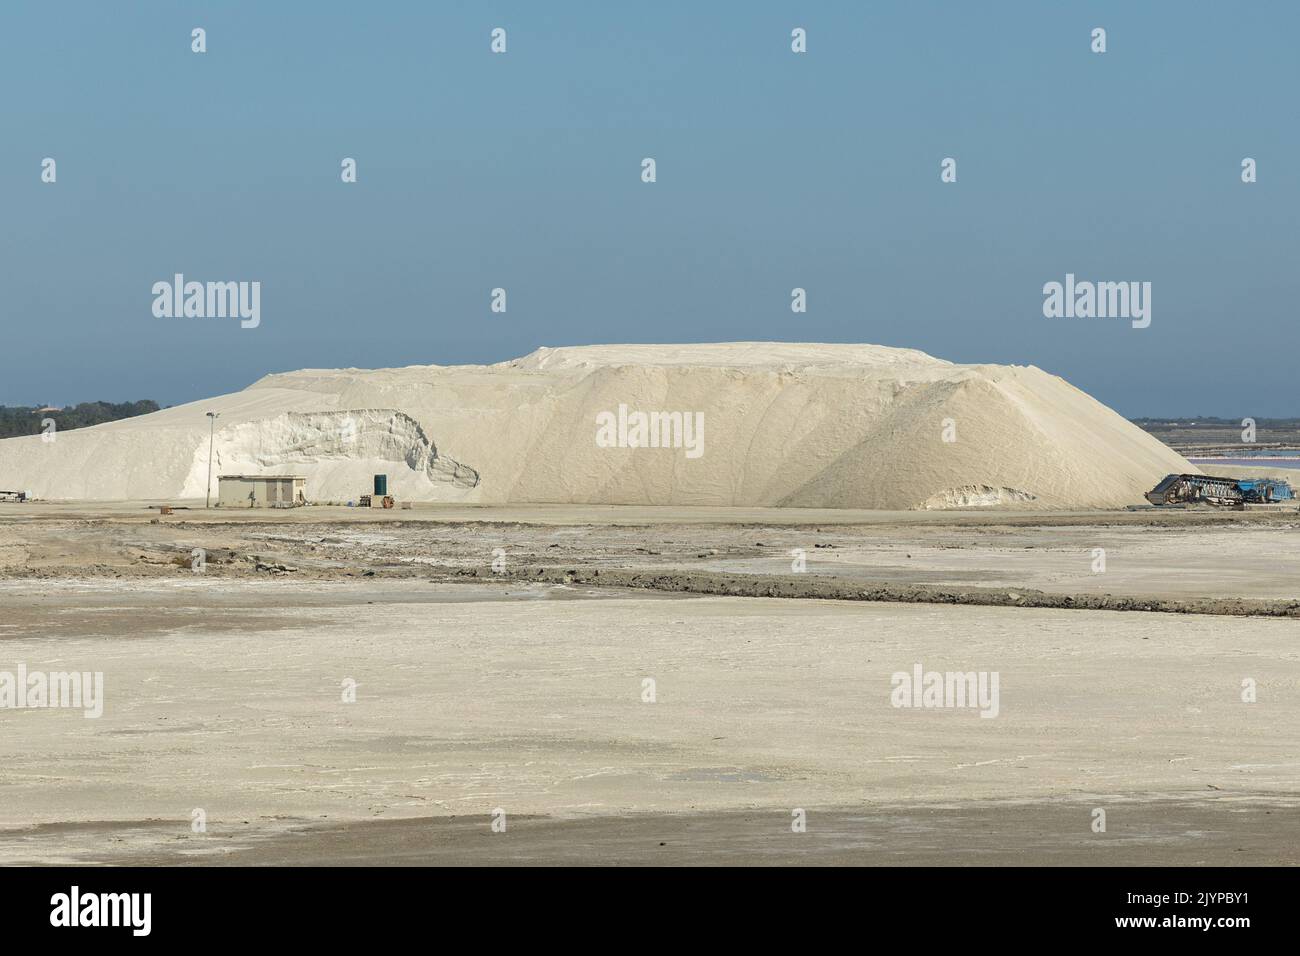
775 170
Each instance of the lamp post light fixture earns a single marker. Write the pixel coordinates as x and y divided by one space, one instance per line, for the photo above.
212 427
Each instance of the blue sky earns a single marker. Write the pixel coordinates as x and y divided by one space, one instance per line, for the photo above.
775 170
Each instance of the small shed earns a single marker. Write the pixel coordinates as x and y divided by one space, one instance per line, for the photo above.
261 491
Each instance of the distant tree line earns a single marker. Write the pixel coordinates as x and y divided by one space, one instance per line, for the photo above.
19 420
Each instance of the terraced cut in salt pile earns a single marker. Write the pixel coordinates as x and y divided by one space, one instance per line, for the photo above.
325 441
826 426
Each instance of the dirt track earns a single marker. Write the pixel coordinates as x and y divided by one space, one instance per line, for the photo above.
1197 562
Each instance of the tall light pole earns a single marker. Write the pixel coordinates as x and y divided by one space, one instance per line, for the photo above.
212 428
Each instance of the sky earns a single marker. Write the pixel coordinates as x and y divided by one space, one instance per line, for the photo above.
774 170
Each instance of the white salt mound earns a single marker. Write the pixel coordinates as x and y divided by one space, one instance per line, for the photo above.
816 426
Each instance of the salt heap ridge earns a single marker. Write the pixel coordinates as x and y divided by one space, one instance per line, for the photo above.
789 425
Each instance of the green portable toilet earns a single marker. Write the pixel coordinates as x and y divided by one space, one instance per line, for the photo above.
381 485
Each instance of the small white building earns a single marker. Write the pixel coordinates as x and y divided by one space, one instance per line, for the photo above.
261 491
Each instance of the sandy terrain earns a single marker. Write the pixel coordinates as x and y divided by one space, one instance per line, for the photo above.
224 691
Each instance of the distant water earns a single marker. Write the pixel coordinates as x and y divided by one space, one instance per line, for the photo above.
1271 459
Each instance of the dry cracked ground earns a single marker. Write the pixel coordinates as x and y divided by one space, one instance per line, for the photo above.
614 685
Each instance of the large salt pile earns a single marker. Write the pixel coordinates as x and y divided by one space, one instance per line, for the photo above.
827 426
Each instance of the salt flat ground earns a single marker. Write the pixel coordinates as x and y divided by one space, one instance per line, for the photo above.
225 694
1164 554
